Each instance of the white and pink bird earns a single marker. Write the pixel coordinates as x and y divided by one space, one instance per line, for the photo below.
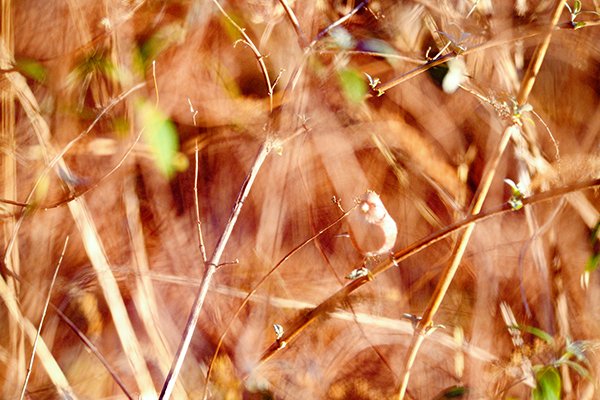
372 229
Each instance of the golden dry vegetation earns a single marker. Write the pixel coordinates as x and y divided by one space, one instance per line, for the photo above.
159 158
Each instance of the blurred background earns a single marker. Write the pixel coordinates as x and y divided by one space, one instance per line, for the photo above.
114 111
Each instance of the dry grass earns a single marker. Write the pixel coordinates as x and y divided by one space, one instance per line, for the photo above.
200 156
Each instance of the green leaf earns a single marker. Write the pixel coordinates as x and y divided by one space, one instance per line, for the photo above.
579 24
32 69
353 85
546 337
577 7
453 392
592 263
161 136
548 384
158 42
594 260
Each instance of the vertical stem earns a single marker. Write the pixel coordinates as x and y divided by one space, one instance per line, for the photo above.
450 271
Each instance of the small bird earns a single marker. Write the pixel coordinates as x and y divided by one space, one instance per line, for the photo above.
372 229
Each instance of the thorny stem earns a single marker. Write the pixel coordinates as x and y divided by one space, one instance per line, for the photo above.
449 272
211 268
302 322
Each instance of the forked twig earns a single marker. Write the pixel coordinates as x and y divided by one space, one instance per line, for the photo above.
259 57
214 262
211 268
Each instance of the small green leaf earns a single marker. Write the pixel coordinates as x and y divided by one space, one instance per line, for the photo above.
353 85
594 261
546 337
32 69
453 392
578 24
161 136
548 384
577 7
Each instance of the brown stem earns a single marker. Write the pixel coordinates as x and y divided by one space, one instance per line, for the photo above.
302 322
449 272
211 268
255 289
259 57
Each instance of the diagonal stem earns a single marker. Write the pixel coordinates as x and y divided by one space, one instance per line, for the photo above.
448 274
211 268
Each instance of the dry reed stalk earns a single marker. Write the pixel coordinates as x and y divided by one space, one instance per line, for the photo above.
41 324
447 276
91 240
8 165
144 296
46 358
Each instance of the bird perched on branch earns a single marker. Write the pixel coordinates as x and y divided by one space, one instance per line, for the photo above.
372 229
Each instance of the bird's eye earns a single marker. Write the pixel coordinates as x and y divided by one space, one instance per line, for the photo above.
364 207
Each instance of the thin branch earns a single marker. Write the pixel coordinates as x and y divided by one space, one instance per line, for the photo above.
294 21
259 57
197 206
211 268
338 23
258 285
81 192
302 322
94 350
484 46
39 330
538 57
58 157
